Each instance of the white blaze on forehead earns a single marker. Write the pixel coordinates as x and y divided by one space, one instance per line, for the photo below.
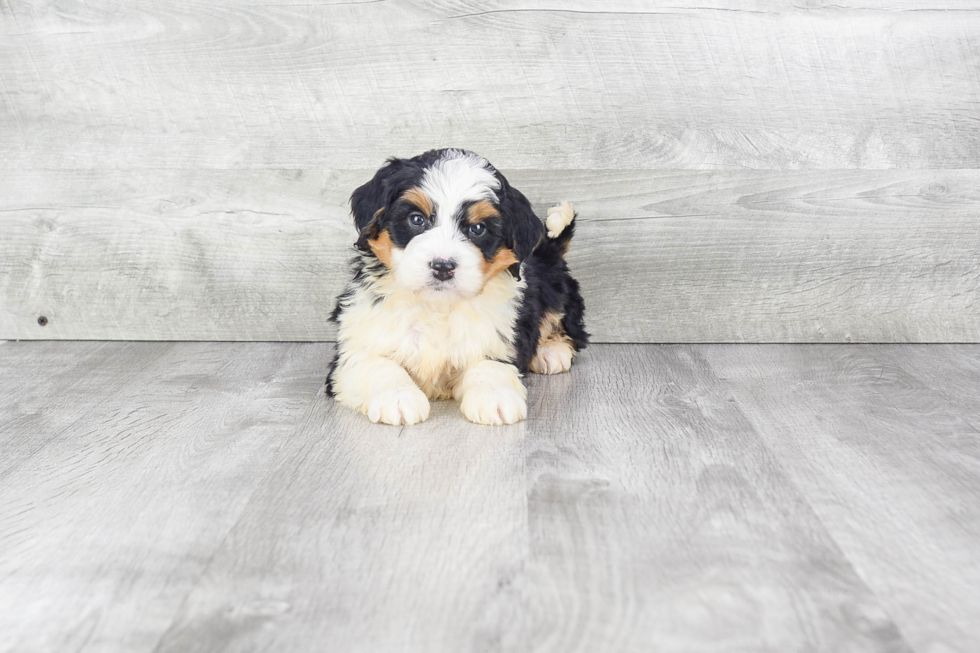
456 178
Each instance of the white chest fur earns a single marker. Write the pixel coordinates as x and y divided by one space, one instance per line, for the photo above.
433 340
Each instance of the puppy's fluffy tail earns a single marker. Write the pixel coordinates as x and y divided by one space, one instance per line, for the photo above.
561 225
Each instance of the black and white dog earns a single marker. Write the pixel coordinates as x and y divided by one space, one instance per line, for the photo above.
458 290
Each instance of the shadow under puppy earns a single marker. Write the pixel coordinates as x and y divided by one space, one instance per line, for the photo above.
458 290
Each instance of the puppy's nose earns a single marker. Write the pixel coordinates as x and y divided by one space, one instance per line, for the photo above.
442 269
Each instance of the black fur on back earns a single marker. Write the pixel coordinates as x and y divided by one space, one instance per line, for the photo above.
550 289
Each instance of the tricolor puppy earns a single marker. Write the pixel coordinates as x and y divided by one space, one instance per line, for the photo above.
458 290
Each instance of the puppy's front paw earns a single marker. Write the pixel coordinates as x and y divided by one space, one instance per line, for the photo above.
494 406
552 358
398 406
491 392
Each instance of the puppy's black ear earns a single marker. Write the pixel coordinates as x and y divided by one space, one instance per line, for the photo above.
523 231
369 201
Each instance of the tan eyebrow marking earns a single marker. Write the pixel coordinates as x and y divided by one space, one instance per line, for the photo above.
419 199
481 211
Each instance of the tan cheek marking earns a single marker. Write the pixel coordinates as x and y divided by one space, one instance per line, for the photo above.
381 246
419 199
503 259
481 211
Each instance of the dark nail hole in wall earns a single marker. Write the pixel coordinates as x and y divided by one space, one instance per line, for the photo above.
43 321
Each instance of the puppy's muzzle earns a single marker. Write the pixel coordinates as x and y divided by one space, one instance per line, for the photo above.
443 269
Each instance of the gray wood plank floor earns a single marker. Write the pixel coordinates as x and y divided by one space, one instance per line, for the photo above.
208 497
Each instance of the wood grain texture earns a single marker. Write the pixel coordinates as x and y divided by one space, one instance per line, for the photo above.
951 371
811 499
663 256
154 84
174 255
129 489
889 466
660 521
790 171
83 370
372 538
219 502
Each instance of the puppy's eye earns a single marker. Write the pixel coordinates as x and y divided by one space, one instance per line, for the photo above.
477 230
416 220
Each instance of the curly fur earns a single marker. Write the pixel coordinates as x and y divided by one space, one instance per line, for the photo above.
409 332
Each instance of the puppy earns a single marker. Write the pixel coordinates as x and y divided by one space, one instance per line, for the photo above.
458 290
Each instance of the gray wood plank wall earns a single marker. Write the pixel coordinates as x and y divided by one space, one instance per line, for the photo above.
744 171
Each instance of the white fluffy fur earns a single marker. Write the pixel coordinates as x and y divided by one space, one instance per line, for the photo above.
459 177
491 392
443 241
428 339
381 389
431 342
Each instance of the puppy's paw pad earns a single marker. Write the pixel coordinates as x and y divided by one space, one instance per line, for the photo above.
494 406
559 217
552 358
398 406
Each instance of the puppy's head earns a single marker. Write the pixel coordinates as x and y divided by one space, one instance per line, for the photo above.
444 223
